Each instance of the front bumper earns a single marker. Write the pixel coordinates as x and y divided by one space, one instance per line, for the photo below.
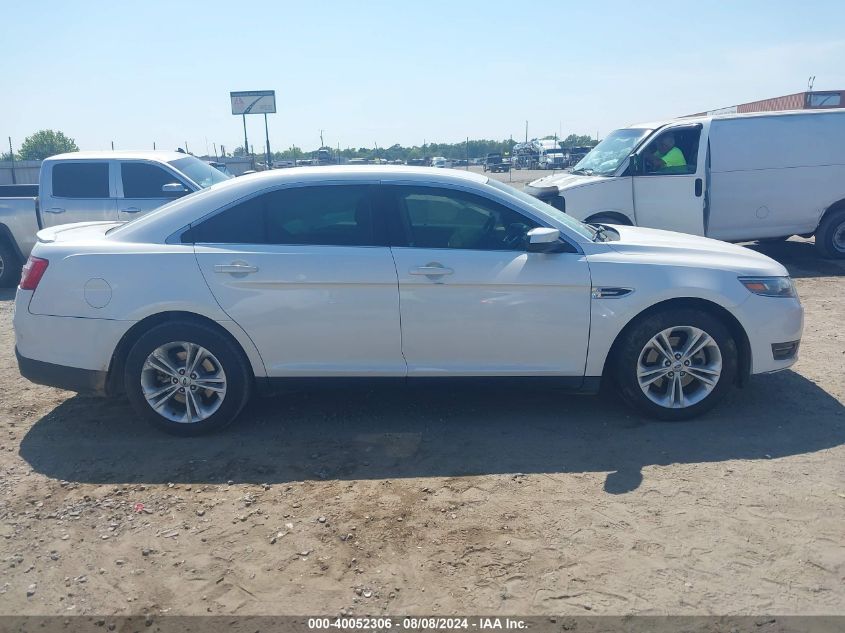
773 325
88 381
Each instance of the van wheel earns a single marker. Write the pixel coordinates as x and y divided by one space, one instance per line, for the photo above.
676 364
10 267
186 378
830 236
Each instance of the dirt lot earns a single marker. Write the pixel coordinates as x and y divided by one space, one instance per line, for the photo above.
416 501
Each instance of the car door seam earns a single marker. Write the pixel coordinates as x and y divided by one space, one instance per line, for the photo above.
399 300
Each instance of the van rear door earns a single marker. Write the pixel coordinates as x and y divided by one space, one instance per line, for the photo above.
671 197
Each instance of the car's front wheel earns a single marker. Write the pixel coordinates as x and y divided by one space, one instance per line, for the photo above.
186 378
676 364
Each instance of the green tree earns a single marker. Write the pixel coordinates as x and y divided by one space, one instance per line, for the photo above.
46 143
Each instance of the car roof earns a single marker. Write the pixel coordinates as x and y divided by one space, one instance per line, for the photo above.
141 154
182 211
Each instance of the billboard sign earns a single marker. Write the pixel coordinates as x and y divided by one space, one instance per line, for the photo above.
253 102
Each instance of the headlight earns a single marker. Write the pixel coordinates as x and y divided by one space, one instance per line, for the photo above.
770 286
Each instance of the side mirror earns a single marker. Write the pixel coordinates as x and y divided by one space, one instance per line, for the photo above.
174 189
543 240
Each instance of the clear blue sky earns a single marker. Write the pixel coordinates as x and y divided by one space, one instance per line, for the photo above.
396 72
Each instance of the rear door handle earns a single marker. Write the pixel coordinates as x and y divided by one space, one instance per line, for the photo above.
235 268
130 210
431 270
55 210
699 186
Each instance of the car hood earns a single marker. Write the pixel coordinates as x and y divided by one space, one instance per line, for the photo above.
681 249
566 181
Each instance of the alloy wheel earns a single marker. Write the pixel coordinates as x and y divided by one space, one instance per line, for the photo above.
679 367
183 382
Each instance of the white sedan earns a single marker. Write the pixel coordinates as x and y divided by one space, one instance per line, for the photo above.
391 273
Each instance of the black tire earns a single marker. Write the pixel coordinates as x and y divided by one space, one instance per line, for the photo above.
830 235
10 265
238 375
627 357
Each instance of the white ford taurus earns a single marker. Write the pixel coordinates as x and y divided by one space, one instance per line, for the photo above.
391 273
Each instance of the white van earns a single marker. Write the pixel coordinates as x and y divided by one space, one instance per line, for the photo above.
746 177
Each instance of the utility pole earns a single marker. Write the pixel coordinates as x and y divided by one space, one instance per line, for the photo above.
154 144
12 158
112 146
215 150
467 152
526 131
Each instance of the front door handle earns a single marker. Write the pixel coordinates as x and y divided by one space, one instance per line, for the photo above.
431 270
699 186
235 268
131 210
55 210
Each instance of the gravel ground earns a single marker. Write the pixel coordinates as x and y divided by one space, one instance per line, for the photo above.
418 501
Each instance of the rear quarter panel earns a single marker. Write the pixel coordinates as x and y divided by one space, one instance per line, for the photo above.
129 283
19 223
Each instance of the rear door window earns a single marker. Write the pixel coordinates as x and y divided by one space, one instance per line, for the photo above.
336 215
81 180
144 180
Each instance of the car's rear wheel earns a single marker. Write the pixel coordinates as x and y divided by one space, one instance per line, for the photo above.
676 364
186 378
830 236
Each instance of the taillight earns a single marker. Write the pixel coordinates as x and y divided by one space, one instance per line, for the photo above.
32 272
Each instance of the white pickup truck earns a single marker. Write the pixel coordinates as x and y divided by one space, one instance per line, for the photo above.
90 186
731 177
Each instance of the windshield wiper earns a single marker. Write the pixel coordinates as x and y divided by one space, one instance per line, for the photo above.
586 172
601 233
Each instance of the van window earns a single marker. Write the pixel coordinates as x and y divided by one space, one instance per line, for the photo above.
143 180
81 180
671 152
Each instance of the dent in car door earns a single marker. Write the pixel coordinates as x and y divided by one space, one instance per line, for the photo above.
312 309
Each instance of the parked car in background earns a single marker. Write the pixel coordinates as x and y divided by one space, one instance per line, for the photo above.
742 177
494 163
262 281
93 186
440 161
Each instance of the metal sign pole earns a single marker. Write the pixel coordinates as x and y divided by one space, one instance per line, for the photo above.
246 143
267 136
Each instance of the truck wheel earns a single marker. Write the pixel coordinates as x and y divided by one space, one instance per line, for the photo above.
830 236
10 266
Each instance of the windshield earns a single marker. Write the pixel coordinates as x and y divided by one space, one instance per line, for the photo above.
544 209
604 159
200 172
